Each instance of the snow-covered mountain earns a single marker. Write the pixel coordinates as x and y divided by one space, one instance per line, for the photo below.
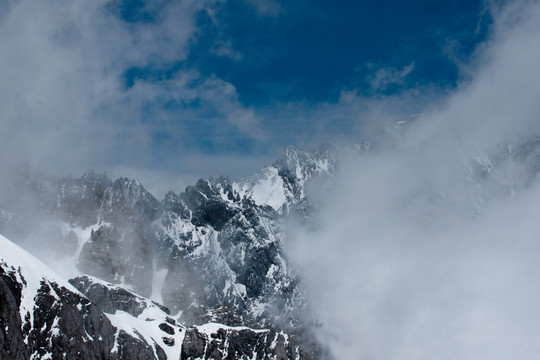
219 243
200 274
212 254
42 316
45 317
232 236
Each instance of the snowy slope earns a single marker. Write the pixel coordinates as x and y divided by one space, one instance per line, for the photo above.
32 270
53 312
283 185
42 316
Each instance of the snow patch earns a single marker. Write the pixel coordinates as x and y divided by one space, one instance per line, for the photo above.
32 270
265 188
212 328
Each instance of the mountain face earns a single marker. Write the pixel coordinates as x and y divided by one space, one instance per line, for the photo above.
219 243
212 254
199 275
232 234
44 317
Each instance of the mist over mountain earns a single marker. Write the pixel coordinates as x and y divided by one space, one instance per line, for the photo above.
413 235
305 247
427 245
211 254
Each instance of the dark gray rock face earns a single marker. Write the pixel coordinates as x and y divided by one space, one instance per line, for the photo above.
226 315
119 252
83 332
183 288
198 343
219 242
61 325
111 298
194 346
122 247
130 347
12 344
122 243
229 242
230 234
232 344
66 325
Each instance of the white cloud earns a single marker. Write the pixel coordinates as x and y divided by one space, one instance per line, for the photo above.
225 48
270 8
410 258
159 181
384 77
63 101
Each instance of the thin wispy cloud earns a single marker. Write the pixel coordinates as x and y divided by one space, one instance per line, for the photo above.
384 77
225 48
266 7
63 69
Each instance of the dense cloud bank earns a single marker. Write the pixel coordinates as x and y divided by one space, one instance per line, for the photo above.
428 245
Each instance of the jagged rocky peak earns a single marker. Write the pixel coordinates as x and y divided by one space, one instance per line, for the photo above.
494 172
103 226
91 177
235 245
303 165
210 202
44 317
132 194
119 253
283 185
173 203
229 235
84 201
230 241
214 252
105 198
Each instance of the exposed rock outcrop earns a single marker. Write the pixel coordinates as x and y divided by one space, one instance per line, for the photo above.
211 342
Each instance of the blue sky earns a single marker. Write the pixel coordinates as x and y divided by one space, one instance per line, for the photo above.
312 50
308 52
208 87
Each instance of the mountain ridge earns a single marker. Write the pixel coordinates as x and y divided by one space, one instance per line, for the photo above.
215 253
43 316
210 253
